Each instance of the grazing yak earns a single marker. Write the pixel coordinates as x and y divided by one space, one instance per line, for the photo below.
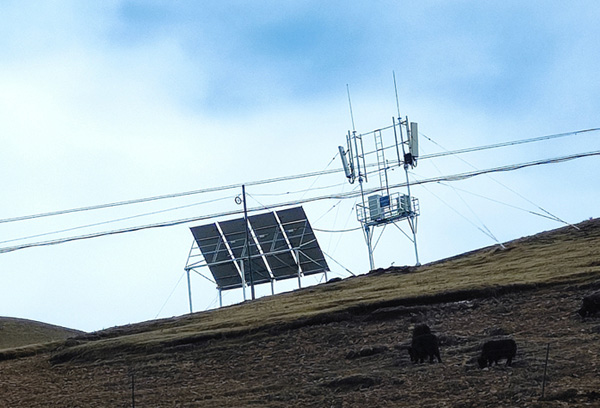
494 350
423 346
590 305
420 329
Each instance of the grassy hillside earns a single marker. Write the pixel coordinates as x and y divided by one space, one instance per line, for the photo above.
21 332
564 255
341 344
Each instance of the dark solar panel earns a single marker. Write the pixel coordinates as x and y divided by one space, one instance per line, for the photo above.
235 234
271 239
301 236
271 235
217 257
226 275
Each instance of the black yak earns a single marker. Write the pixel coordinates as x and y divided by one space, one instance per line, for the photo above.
423 346
590 305
494 350
420 329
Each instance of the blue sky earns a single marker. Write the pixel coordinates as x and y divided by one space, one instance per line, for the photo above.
105 101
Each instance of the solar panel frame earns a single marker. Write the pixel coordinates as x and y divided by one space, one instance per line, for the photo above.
285 238
301 237
235 234
215 253
273 243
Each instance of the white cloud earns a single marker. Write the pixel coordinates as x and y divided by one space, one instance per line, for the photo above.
105 102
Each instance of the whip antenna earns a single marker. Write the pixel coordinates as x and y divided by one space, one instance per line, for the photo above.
350 104
396 89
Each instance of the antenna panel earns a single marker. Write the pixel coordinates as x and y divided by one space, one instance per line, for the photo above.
345 163
413 143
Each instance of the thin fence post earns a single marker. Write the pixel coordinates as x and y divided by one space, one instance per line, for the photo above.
545 370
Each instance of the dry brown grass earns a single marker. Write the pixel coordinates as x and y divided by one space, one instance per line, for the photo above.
19 333
563 255
291 349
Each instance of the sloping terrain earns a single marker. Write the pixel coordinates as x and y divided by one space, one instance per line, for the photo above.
21 332
341 344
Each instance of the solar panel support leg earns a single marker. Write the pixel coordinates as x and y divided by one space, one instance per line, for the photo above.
299 269
220 298
272 287
189 290
243 278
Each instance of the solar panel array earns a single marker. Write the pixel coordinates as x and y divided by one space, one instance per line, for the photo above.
288 246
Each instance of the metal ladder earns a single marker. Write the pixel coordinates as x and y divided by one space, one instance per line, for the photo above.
381 165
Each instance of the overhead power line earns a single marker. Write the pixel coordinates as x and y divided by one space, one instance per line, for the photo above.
112 221
510 167
337 231
280 179
488 147
165 196
351 194
504 144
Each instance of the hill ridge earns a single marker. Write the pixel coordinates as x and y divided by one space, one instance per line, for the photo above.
343 344
377 287
18 332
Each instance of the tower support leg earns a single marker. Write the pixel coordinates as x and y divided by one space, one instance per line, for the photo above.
412 221
369 239
299 269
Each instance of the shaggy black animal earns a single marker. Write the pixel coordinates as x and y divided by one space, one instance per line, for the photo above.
420 329
423 346
590 305
495 350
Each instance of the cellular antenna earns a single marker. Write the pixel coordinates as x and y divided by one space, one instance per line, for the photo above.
383 206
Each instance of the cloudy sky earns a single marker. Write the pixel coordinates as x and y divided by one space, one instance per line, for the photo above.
111 101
